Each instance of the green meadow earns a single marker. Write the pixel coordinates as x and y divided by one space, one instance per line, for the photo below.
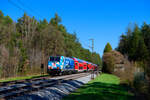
103 87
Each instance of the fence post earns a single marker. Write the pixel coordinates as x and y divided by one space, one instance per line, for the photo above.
42 69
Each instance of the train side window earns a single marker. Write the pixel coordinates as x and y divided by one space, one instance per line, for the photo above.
76 64
80 67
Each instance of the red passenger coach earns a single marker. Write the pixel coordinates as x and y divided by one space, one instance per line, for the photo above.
79 65
92 66
80 68
89 66
85 65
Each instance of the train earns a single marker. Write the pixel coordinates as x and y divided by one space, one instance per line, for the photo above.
58 65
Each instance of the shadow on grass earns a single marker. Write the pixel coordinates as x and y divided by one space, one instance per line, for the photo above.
101 91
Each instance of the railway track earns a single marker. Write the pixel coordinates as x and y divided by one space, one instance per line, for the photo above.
21 81
18 88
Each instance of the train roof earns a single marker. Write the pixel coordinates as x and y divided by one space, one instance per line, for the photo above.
79 60
76 59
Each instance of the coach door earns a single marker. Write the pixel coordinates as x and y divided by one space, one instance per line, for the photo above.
77 65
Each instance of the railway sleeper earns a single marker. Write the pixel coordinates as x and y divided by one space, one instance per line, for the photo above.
13 94
42 82
25 85
11 88
36 88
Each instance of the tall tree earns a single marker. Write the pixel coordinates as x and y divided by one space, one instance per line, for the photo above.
53 41
142 51
146 34
1 16
97 59
134 42
42 25
107 48
55 21
123 44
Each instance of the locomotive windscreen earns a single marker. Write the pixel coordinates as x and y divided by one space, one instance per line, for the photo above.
54 58
57 58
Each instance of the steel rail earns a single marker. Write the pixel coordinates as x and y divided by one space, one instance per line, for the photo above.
19 89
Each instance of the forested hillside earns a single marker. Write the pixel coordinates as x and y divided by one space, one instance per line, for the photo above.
135 44
27 43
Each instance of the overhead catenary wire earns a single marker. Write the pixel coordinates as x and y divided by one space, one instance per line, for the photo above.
17 6
23 9
84 43
26 6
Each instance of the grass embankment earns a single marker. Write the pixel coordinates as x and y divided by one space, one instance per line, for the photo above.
104 87
22 78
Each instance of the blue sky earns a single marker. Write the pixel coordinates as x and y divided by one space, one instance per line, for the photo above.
102 20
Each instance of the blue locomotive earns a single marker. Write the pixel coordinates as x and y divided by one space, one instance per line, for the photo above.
60 65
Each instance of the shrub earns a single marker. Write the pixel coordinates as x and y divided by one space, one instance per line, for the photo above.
114 62
110 59
140 83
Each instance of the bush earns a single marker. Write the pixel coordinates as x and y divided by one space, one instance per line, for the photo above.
140 83
110 59
114 62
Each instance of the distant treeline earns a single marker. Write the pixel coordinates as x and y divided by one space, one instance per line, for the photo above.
136 43
27 43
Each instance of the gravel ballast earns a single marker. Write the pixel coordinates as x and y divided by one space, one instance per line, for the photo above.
56 92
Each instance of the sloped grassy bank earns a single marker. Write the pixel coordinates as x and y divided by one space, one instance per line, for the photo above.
103 87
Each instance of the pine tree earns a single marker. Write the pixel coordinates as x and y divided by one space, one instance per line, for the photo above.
134 42
42 25
55 21
125 41
8 20
142 51
1 16
146 35
123 44
107 48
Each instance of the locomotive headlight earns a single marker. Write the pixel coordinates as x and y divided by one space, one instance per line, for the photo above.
49 67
